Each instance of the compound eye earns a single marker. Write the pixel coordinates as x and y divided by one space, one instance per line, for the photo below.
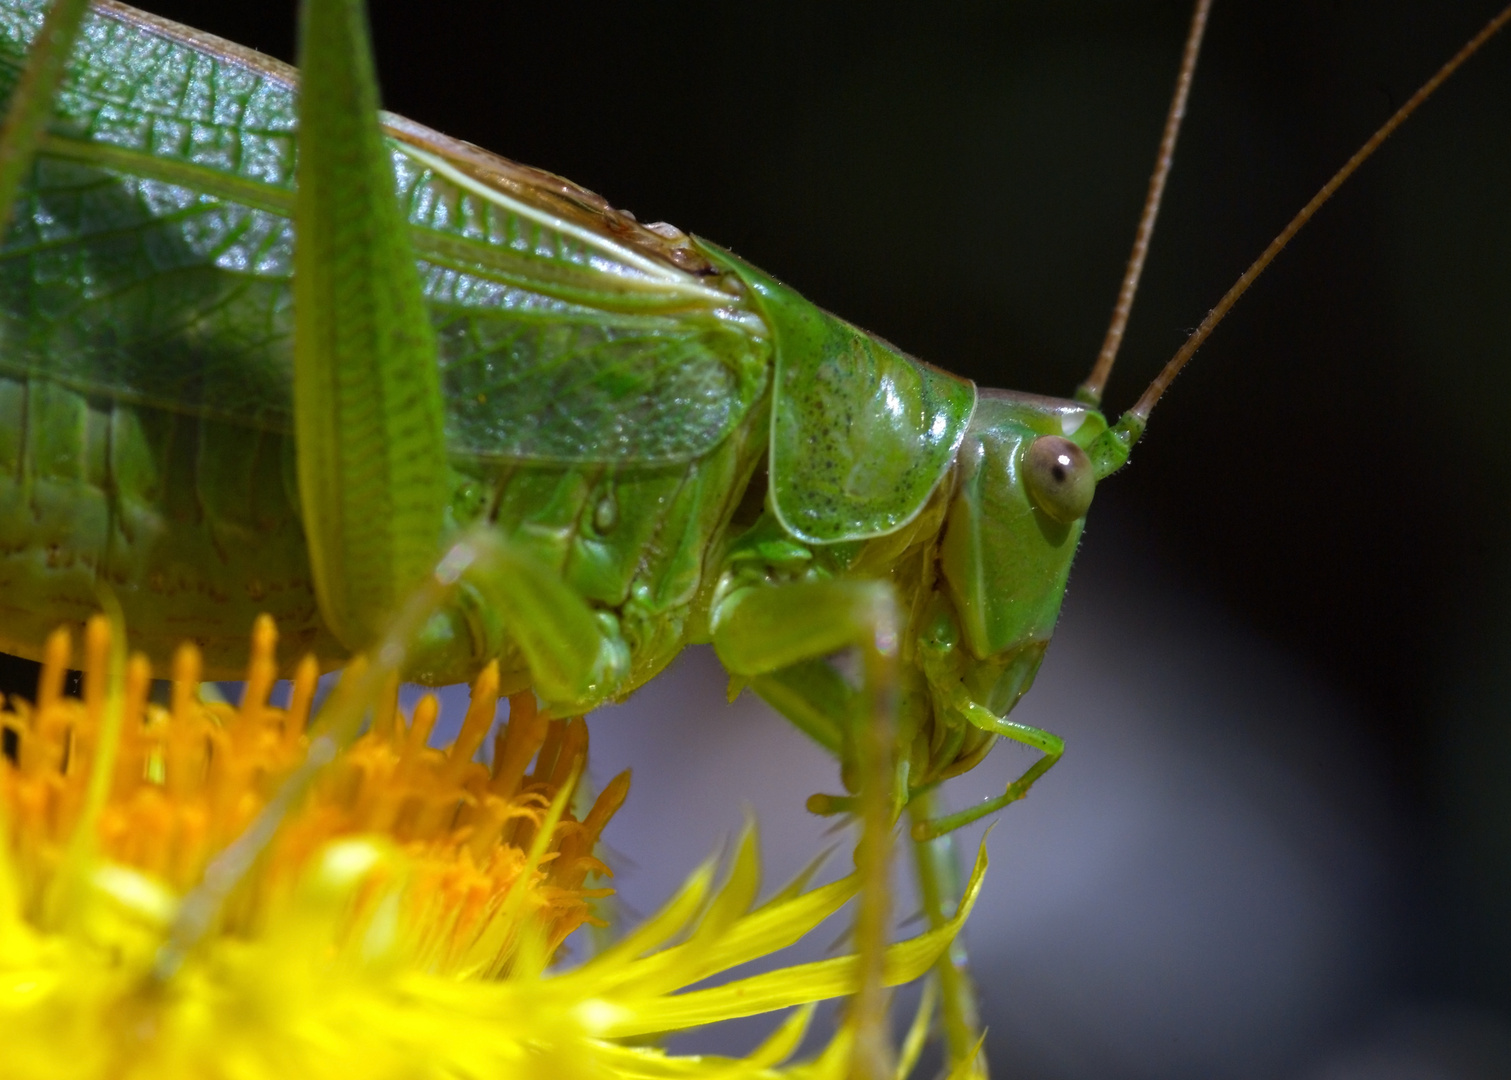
1059 477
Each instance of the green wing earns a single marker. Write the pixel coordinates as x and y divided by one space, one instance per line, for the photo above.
861 433
150 259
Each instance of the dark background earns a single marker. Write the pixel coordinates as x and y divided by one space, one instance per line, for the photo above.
964 179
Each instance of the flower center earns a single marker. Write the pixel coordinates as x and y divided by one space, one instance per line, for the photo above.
189 775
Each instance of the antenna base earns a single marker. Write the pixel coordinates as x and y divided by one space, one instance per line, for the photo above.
1109 451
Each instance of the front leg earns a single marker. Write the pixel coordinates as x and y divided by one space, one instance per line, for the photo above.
776 636
959 684
1050 745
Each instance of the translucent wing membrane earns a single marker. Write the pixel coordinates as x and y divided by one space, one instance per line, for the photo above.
150 258
572 386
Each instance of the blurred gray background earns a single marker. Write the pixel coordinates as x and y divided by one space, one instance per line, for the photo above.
1279 845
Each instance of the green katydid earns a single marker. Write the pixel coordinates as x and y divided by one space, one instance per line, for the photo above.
668 445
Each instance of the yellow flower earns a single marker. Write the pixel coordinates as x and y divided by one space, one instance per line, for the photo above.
402 923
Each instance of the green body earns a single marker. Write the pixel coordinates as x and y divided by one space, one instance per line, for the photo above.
260 354
661 437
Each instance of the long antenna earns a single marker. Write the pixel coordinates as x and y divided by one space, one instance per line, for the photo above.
1133 420
1090 391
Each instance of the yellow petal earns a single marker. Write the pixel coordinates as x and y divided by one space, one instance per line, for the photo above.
816 981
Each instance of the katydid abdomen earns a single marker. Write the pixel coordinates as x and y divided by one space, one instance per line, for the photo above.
192 523
187 519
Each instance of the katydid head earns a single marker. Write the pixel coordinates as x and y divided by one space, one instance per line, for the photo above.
1024 483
